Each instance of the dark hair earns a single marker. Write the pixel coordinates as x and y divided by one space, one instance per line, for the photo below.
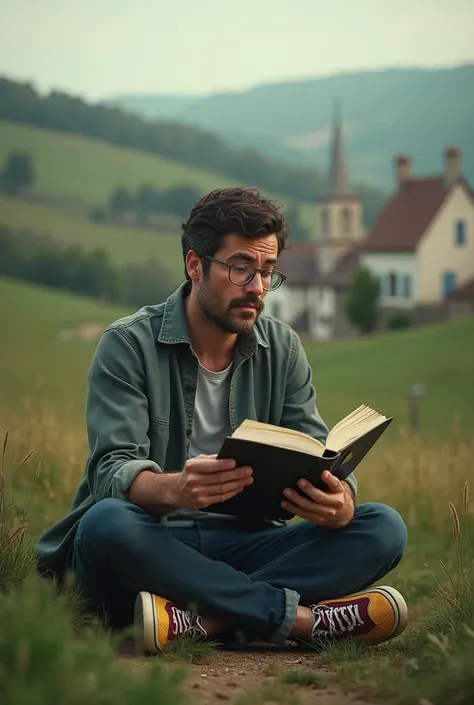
231 210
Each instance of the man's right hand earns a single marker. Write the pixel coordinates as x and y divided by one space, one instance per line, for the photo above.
206 480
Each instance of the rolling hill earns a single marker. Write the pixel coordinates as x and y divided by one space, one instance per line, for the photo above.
419 111
87 170
35 359
123 244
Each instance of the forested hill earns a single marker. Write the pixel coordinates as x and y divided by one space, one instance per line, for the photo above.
419 111
20 102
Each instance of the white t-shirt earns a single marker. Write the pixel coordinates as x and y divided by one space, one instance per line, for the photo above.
211 423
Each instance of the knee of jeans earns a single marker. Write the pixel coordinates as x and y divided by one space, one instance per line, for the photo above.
388 533
107 524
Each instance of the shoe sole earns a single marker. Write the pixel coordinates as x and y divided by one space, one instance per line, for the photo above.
399 606
144 618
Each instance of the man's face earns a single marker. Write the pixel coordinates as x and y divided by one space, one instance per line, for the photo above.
234 309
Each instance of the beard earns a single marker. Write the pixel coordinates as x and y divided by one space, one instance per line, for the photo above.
230 319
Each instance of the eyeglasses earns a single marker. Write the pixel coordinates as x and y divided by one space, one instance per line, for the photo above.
242 273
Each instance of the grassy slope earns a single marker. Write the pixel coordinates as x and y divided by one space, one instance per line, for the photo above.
32 357
123 244
378 372
74 166
375 372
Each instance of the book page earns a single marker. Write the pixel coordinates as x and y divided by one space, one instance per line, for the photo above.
278 436
353 426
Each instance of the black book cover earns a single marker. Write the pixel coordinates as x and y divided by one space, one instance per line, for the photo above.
276 468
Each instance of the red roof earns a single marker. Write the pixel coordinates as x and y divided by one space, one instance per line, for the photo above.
405 217
464 291
299 263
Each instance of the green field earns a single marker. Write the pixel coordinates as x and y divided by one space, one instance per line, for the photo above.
373 371
78 167
33 357
124 244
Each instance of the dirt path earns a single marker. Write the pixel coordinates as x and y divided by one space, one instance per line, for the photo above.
250 678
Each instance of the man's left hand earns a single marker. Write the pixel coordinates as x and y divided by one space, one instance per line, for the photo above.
333 507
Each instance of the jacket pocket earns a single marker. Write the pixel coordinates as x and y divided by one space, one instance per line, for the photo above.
159 432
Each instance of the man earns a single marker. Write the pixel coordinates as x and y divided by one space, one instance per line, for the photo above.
166 385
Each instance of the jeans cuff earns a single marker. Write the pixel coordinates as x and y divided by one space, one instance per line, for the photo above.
282 634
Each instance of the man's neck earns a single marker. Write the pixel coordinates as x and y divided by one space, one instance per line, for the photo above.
214 348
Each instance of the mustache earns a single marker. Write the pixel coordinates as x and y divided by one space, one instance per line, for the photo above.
253 300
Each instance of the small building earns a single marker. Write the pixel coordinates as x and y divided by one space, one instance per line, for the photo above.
421 246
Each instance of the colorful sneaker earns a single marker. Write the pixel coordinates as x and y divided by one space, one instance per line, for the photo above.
158 622
371 616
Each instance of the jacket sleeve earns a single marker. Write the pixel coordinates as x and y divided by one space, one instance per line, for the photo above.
299 408
117 417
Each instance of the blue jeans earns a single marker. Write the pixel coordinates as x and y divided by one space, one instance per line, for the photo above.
251 579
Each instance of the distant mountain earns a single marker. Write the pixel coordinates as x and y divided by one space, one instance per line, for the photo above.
153 106
415 111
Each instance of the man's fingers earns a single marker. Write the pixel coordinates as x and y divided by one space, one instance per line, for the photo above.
223 488
327 499
318 515
309 505
220 477
333 483
209 464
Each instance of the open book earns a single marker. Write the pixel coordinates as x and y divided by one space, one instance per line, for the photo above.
281 456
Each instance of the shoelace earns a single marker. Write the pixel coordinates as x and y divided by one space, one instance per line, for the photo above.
186 622
335 621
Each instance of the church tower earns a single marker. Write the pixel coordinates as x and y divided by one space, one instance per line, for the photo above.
340 210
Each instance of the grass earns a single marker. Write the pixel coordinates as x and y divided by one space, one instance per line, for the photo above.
379 370
51 656
34 361
42 660
73 166
124 245
431 663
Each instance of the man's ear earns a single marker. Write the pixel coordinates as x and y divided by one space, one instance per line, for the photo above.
193 266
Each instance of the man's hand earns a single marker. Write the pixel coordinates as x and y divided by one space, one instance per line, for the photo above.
333 508
205 480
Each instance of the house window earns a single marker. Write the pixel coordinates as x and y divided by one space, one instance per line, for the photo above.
449 283
392 284
346 221
325 221
460 233
407 286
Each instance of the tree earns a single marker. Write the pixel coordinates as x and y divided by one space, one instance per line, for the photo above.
180 199
120 201
146 283
146 203
18 174
361 305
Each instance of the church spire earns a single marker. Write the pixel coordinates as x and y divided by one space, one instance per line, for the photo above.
338 182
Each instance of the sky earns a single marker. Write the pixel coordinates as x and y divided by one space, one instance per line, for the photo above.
98 48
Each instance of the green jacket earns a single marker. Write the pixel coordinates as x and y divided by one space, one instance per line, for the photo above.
140 399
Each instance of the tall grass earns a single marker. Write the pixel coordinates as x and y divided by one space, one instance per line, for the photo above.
16 554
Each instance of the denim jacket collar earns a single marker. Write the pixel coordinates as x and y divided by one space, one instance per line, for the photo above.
174 328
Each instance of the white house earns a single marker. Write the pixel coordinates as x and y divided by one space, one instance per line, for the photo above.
421 246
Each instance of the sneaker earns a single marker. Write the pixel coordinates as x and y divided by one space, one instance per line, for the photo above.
371 616
159 622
